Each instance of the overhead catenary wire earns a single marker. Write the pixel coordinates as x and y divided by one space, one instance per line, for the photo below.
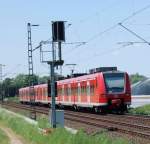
135 34
104 53
110 5
109 29
115 25
111 50
112 27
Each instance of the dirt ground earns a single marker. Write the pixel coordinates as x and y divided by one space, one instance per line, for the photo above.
14 139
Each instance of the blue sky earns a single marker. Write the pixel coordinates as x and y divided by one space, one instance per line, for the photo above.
88 19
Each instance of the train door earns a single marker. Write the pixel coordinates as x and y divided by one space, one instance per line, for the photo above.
94 97
27 94
46 94
59 89
63 97
83 92
69 92
88 91
42 94
38 95
79 92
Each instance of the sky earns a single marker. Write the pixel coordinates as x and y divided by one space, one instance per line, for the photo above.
92 21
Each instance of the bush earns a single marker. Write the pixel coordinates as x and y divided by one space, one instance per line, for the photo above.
143 110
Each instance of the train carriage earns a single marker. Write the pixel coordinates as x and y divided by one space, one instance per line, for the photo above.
103 89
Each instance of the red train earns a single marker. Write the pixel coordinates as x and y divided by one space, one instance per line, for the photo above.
104 88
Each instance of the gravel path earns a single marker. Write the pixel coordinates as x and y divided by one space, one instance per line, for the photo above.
14 139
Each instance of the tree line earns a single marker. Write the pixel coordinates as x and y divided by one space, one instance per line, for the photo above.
10 86
134 78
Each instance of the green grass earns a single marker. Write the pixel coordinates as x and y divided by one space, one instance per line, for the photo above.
13 99
58 136
43 122
144 110
3 138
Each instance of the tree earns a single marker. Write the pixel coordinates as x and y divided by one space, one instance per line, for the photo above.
136 77
8 88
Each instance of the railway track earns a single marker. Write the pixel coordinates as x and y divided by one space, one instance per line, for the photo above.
128 124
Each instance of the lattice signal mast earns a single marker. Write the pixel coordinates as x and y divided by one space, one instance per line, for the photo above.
30 70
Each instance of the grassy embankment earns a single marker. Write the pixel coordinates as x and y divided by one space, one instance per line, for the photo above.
58 136
143 110
3 138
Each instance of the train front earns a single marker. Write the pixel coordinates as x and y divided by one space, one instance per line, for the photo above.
117 90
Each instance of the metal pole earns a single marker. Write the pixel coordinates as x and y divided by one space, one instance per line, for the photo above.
59 50
30 68
1 75
53 114
1 80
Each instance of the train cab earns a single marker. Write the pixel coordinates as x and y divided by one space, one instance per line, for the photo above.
117 91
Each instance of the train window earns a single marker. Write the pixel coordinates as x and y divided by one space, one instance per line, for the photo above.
66 91
39 91
72 91
69 91
62 90
42 91
88 90
92 90
26 92
76 91
45 92
59 92
82 90
114 82
36 92
79 90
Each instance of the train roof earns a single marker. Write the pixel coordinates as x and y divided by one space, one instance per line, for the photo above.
94 73
85 77
80 78
35 86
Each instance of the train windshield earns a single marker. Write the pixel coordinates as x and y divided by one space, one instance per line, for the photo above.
114 82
